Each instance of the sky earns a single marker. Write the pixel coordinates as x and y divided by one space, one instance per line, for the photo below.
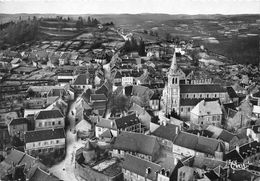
131 6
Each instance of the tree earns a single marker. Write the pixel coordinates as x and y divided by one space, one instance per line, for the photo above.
89 21
168 37
141 48
119 103
16 141
173 114
79 23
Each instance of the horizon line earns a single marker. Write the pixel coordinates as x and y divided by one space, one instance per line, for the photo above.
130 14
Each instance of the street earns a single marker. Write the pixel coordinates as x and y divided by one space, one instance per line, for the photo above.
65 169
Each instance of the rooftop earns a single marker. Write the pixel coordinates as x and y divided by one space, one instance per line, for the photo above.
48 114
41 135
198 143
126 121
19 121
98 97
82 79
140 166
204 108
194 102
168 132
199 88
136 142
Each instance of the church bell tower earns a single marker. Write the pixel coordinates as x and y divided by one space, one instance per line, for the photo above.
172 90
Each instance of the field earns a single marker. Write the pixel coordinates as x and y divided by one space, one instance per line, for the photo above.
225 28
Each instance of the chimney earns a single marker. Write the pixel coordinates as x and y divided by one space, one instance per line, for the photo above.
176 130
175 161
198 134
148 170
237 148
164 123
112 123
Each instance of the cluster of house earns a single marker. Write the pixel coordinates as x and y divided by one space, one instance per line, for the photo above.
203 147
160 123
18 165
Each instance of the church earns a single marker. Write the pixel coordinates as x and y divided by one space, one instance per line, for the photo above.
182 92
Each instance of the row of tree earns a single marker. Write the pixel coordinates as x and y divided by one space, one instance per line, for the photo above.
20 32
134 45
90 22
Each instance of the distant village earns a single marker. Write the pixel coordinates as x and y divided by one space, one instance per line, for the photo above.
83 110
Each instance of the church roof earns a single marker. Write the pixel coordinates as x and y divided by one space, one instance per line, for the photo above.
201 88
194 102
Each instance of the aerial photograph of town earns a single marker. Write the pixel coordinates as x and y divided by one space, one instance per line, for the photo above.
130 90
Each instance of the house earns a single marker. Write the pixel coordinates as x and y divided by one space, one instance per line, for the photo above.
206 113
66 78
233 95
74 59
82 82
17 127
188 144
127 79
186 173
256 95
97 98
144 117
83 128
44 141
186 105
135 169
40 91
118 79
59 104
105 88
49 119
16 159
100 57
99 107
155 101
39 174
246 107
15 62
140 145
53 60
64 58
80 108
236 119
254 133
256 111
24 70
231 140
104 125
61 92
226 108
4 137
91 166
166 134
246 153
129 123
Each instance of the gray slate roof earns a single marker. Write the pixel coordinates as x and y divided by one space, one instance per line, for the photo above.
48 114
41 135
